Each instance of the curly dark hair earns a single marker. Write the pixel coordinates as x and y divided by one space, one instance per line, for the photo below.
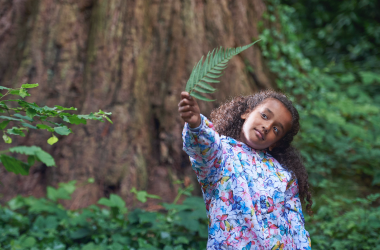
227 121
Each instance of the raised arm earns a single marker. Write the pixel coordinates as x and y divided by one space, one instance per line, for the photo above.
200 141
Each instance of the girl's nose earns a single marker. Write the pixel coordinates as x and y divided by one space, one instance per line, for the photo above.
265 130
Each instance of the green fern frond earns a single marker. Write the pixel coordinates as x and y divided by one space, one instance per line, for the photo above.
211 69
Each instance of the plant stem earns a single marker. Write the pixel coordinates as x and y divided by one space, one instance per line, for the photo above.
178 196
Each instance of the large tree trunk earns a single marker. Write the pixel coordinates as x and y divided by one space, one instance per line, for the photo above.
131 58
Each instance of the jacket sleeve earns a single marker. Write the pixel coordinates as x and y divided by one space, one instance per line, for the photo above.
295 216
203 145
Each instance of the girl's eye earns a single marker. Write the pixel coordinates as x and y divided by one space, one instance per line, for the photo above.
264 116
275 130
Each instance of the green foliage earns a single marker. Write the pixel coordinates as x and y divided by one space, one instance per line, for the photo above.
143 195
208 71
346 32
182 191
34 114
16 166
63 192
35 151
338 98
30 223
343 223
13 165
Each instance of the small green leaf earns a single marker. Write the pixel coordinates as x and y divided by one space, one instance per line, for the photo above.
23 93
108 119
14 165
90 180
117 201
29 86
28 242
101 112
48 109
24 117
9 118
181 239
56 194
2 87
113 201
62 130
91 116
153 196
26 150
7 139
63 108
15 131
141 196
45 158
28 125
4 124
68 186
52 140
74 120
14 92
30 112
43 126
37 151
105 202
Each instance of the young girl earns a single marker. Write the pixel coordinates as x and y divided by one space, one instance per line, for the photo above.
252 179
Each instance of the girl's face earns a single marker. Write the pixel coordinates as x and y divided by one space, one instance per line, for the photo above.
266 124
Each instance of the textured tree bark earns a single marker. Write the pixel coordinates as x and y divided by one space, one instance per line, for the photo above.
131 58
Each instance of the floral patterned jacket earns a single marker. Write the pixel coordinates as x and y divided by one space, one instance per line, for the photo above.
251 200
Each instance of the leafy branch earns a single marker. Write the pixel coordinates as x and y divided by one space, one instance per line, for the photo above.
211 69
24 115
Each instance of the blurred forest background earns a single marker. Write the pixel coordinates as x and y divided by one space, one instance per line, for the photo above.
133 58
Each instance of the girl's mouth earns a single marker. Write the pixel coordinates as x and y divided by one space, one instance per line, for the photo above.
259 134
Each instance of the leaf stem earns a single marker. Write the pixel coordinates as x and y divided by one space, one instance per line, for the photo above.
178 196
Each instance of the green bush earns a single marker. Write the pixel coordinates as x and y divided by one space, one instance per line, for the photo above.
31 223
343 223
35 118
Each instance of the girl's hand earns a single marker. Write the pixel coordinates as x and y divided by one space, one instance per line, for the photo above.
189 110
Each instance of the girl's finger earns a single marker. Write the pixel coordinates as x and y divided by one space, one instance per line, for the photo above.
185 102
182 103
185 94
187 114
185 108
